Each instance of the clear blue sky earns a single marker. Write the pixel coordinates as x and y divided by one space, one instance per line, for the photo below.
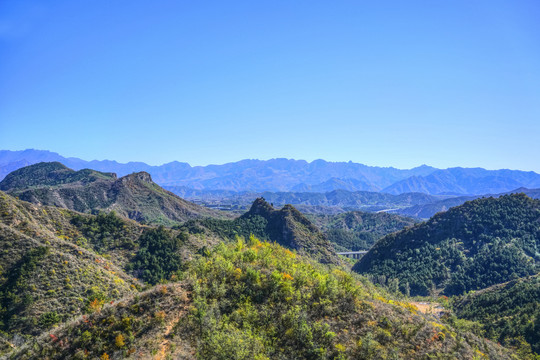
388 83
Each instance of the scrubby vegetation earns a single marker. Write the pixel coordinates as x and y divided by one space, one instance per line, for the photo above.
256 300
472 246
104 232
12 303
229 229
136 327
260 301
56 264
70 287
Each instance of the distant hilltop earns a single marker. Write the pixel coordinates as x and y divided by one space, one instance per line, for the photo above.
287 175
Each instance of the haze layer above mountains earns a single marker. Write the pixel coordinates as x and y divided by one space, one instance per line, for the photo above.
297 175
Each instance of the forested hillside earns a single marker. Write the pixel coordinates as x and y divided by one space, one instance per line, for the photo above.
509 313
472 246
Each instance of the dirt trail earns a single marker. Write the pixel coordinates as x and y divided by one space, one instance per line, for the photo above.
429 308
165 345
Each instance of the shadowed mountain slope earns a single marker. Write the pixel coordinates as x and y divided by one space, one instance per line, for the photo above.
287 226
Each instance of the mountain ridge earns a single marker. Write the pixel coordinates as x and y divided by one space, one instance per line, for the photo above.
134 196
288 174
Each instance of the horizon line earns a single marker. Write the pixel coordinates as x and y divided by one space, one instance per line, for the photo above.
264 160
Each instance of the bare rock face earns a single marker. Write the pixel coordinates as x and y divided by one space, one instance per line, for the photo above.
142 176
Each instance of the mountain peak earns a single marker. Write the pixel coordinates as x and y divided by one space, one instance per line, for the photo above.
289 228
260 207
142 176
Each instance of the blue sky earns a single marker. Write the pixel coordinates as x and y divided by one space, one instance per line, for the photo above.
387 83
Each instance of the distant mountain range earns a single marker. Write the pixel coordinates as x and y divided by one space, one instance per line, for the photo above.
466 181
425 211
284 175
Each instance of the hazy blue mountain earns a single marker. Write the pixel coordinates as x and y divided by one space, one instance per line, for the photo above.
244 175
466 181
425 211
285 175
336 184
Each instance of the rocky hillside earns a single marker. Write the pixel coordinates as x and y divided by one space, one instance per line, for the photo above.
134 196
469 247
49 272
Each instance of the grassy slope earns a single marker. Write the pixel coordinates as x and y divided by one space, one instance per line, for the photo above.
44 271
57 261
